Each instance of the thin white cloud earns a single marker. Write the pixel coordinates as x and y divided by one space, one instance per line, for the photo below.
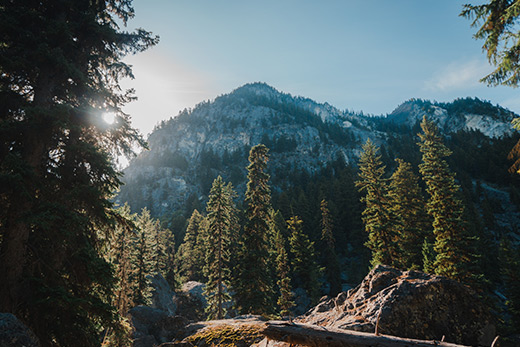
458 76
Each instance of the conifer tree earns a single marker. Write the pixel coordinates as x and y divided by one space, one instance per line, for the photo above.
380 222
408 205
453 246
332 267
141 257
221 218
286 298
119 255
510 271
254 282
306 270
190 256
60 68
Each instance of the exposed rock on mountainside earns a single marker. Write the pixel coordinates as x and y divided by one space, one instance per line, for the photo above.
189 151
408 304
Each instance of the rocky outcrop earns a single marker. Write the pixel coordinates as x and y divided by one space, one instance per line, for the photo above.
153 326
163 298
408 304
14 333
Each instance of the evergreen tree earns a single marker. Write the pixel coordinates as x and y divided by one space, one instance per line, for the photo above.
510 271
453 246
141 257
306 270
190 256
221 218
254 283
119 255
408 205
380 222
60 67
285 300
332 267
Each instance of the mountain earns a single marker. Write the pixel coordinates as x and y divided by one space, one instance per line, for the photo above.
187 152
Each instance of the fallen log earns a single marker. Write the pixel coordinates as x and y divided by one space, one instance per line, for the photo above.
313 335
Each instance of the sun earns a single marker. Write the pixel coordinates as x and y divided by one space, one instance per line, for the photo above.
109 117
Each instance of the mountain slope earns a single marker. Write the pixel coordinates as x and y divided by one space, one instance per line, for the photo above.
187 152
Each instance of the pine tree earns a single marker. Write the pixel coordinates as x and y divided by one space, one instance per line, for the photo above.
510 271
453 246
408 205
254 282
306 270
286 298
61 63
380 222
141 257
332 268
119 255
190 256
221 218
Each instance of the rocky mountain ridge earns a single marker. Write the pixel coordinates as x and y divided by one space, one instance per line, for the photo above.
187 152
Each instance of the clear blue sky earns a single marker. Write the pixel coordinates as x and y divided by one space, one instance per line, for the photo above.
361 55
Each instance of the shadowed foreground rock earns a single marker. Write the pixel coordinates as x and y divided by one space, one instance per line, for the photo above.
14 333
408 304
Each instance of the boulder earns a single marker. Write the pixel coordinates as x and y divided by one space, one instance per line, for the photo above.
14 333
153 326
163 298
408 304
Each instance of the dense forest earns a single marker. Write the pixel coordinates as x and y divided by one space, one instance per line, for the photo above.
267 238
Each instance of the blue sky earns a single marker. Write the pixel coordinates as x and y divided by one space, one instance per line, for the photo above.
361 55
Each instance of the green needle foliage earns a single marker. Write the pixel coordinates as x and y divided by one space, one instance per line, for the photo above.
408 205
286 298
254 283
332 267
221 224
60 67
380 222
454 248
190 256
306 270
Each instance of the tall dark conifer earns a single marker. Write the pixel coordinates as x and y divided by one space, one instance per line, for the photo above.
332 267
380 222
190 256
254 282
306 270
454 247
408 205
221 218
60 67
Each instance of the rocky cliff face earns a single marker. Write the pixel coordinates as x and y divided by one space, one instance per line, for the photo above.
189 151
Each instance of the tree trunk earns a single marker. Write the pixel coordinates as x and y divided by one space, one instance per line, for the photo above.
313 335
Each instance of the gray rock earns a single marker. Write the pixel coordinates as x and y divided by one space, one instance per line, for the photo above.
14 333
163 298
409 304
149 321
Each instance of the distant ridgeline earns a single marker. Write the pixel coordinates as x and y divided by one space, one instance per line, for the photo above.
314 150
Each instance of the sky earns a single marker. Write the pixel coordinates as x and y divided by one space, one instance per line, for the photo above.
358 55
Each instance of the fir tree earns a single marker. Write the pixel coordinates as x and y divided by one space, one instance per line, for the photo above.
380 222
408 205
119 255
332 267
453 246
190 256
510 271
286 299
141 257
221 218
61 63
306 270
254 283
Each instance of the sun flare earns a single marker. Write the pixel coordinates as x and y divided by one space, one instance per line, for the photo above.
109 117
